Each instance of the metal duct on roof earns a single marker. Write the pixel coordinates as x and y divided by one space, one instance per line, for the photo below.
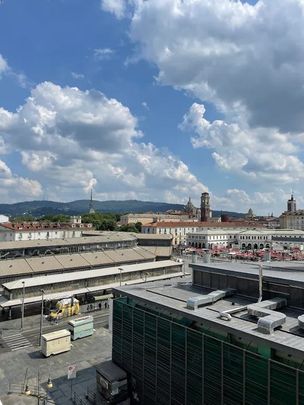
268 318
200 300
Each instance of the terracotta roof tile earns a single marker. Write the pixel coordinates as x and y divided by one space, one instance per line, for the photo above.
231 224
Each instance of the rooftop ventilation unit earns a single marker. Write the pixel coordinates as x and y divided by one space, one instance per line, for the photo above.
301 321
207 258
268 319
200 300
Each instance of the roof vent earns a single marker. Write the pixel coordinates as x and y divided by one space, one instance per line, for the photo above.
301 321
268 318
200 300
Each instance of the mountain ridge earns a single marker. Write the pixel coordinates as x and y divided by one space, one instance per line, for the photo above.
38 208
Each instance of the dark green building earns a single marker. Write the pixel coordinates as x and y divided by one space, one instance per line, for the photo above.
211 342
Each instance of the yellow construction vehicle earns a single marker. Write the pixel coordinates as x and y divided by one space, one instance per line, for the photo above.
64 308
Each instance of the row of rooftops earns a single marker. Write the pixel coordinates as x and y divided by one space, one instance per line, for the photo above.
67 262
86 281
39 226
293 213
89 274
253 231
95 238
207 224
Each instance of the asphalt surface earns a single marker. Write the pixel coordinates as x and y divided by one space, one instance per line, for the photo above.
21 362
31 326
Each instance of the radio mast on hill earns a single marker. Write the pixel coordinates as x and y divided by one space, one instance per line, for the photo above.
91 206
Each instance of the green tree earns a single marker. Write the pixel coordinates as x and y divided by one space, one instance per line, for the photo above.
101 221
131 228
138 226
55 218
23 218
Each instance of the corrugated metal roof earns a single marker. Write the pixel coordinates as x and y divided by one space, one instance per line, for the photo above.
88 274
39 264
17 266
66 262
161 251
72 260
95 258
121 255
4 303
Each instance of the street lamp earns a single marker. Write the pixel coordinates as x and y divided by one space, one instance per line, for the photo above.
49 383
120 270
41 317
22 304
42 397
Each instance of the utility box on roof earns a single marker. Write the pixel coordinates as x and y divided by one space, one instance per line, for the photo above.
56 342
81 327
112 383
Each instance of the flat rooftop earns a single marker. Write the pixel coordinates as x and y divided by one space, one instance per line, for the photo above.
282 271
171 297
104 237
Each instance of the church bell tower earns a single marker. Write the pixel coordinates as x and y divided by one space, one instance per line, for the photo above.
205 207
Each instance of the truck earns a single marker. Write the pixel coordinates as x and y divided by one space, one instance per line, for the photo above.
81 327
64 308
56 342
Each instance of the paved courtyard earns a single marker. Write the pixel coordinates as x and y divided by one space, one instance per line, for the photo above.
27 366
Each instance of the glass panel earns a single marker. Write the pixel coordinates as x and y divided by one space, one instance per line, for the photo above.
178 364
256 379
212 371
282 384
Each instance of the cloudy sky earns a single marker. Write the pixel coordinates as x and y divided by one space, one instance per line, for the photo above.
154 100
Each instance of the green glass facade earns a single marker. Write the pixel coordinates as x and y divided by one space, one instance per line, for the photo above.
170 363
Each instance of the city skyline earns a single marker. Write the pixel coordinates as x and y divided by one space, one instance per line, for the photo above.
153 101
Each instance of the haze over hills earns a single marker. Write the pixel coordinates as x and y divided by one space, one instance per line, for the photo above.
44 207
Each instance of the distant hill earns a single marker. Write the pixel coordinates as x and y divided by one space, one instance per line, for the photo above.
40 208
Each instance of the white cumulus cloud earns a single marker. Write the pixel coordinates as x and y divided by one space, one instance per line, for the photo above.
3 65
14 187
103 53
260 154
72 140
240 200
239 56
117 7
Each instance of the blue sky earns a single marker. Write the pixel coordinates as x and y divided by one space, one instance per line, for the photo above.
153 100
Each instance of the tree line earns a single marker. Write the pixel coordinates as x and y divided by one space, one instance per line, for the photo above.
100 221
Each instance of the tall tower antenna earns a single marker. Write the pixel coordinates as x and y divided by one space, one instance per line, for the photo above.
91 205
